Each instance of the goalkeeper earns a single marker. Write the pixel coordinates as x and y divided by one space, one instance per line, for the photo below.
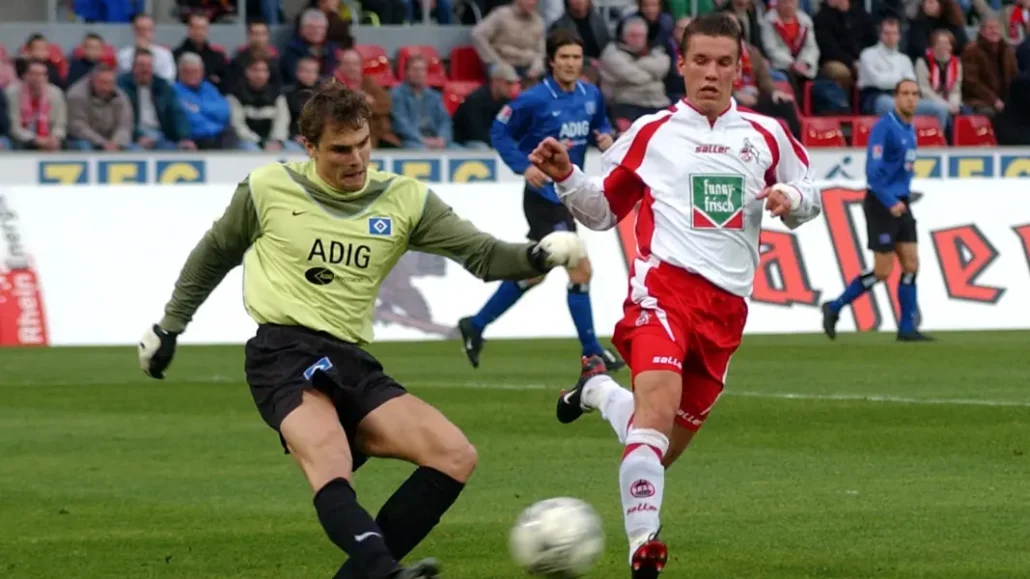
316 239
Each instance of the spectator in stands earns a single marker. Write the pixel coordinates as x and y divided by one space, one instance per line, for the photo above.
143 29
298 93
936 15
439 10
756 90
1022 54
206 108
257 47
788 36
214 10
988 65
159 121
7 72
513 34
747 16
37 47
259 112
939 73
1018 19
659 24
36 110
418 116
92 49
881 67
674 86
582 17
1012 124
352 75
99 113
633 73
196 41
338 30
5 125
842 30
388 11
476 114
310 40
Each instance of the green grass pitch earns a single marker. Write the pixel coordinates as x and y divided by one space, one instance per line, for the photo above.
106 474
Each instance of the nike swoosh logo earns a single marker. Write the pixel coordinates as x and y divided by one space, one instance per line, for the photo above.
568 397
296 213
363 536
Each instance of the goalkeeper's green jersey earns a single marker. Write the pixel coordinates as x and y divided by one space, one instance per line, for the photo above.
314 256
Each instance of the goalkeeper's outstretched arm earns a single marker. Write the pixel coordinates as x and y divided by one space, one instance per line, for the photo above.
218 252
443 232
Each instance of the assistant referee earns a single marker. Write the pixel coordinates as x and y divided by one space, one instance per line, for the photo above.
890 225
316 240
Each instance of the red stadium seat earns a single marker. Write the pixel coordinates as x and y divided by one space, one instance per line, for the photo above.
437 76
454 93
974 131
929 132
377 64
860 129
465 64
819 132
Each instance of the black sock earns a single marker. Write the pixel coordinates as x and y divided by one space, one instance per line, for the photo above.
412 512
353 530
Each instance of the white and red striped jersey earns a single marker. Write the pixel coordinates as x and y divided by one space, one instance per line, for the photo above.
696 182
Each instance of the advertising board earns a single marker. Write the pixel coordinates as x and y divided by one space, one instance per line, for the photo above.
96 264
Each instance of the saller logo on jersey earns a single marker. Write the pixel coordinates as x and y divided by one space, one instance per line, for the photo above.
718 201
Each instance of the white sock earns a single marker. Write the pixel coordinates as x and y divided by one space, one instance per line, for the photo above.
642 482
614 401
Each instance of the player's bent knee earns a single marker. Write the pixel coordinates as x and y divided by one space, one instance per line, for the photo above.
323 454
454 456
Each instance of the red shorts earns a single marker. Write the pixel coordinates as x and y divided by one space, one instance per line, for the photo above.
677 320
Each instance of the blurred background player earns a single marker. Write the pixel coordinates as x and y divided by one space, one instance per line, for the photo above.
312 267
890 226
705 169
572 111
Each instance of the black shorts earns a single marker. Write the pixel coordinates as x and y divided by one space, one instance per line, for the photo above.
283 361
883 229
545 216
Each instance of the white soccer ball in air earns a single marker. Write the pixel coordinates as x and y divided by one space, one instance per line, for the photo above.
559 538
564 248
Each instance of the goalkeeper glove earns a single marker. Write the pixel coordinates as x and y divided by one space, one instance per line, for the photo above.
559 248
156 349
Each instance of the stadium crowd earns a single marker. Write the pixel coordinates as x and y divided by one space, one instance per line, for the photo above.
841 61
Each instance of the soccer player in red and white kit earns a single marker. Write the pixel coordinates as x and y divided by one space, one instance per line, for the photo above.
702 172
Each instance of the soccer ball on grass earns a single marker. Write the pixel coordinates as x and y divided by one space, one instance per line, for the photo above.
559 538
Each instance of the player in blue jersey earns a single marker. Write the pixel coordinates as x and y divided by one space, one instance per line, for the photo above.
890 157
573 112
